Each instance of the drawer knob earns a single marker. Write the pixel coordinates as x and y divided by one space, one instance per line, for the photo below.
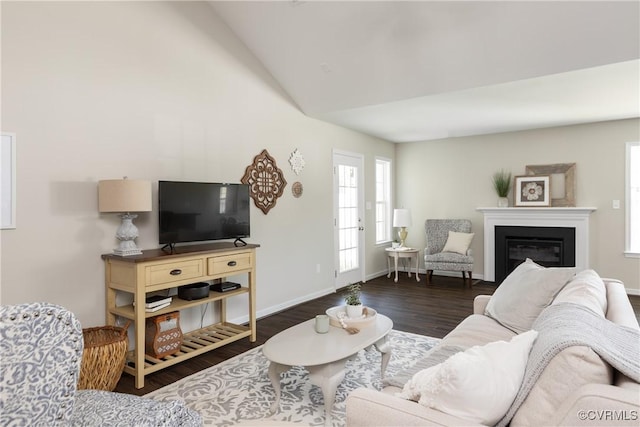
231 263
175 272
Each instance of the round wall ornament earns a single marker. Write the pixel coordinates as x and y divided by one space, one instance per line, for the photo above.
296 161
296 189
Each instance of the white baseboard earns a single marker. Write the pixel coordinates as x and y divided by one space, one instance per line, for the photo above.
376 275
282 306
423 272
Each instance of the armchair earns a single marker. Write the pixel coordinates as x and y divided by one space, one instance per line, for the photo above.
40 354
437 233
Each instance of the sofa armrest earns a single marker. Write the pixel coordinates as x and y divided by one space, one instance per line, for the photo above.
367 407
480 303
600 404
619 309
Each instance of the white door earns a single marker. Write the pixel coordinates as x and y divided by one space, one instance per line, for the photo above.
348 211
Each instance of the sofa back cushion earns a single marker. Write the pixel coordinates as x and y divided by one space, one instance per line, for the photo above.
524 293
587 289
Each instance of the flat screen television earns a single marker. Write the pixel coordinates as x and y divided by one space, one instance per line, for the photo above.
199 211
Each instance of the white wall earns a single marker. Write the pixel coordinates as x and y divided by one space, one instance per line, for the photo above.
152 90
452 177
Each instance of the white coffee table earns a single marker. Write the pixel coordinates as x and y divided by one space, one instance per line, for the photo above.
324 355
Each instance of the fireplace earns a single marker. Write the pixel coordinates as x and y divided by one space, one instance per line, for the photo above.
548 246
564 217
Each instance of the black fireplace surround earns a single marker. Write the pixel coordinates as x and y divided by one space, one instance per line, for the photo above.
548 246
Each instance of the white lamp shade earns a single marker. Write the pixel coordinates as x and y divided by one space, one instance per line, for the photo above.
401 218
124 195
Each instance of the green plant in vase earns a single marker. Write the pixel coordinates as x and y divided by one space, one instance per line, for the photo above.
502 185
352 298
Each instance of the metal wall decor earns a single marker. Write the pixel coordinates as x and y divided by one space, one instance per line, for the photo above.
266 181
296 161
296 189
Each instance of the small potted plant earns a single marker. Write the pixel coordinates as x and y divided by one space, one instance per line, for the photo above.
502 185
352 298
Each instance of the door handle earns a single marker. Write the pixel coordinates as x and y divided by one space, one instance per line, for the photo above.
175 272
232 263
361 228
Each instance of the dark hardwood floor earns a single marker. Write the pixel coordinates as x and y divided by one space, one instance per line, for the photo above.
434 311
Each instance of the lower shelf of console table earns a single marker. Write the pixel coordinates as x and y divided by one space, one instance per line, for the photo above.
194 343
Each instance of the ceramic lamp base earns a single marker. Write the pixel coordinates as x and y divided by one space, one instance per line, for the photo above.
402 234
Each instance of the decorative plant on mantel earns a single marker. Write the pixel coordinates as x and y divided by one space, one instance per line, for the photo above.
352 298
502 185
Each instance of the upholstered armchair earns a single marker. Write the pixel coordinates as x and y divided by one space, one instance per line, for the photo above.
447 251
40 354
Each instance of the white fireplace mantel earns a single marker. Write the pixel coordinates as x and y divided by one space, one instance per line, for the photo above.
577 218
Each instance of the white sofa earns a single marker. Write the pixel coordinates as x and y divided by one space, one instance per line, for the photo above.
572 388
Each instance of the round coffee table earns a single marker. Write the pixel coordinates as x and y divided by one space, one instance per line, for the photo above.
324 355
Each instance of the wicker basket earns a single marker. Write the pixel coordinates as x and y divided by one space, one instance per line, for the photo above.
103 358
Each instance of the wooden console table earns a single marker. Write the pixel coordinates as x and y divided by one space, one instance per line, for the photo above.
157 270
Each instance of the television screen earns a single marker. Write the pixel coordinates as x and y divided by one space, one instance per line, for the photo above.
198 211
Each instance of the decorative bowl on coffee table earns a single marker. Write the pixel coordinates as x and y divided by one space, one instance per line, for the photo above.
335 313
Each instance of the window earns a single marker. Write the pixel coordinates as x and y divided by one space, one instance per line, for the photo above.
633 199
383 200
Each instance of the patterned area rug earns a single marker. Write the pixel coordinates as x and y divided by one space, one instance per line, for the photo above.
238 390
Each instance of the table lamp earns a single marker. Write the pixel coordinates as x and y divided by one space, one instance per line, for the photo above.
125 196
402 219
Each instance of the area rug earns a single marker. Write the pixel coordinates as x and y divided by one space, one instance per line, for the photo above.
238 390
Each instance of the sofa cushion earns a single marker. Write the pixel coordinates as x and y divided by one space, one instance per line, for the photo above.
476 329
587 289
525 293
573 367
478 384
569 370
458 242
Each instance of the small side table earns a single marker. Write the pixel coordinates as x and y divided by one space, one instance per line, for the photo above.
396 253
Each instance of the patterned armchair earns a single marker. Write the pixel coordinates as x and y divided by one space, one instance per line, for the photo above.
437 231
40 354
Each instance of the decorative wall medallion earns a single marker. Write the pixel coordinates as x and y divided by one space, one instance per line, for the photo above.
296 189
266 181
296 161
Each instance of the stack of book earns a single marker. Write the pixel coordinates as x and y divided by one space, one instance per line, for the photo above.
156 302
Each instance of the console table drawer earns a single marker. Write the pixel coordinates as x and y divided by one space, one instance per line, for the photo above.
174 272
228 264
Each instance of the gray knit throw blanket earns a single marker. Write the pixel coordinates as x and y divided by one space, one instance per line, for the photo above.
564 325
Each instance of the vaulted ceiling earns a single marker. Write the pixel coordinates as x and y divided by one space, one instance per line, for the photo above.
414 71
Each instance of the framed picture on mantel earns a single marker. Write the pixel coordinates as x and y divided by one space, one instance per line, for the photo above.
532 191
